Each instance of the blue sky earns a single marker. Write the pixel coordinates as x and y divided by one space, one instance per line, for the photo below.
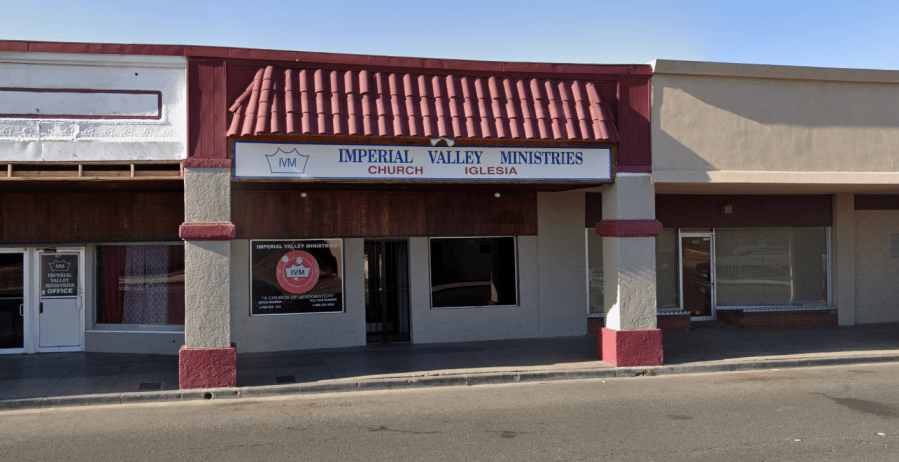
861 34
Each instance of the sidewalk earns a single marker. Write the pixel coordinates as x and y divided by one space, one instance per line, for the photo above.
55 379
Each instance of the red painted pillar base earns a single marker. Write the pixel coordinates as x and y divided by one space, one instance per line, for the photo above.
207 367
630 348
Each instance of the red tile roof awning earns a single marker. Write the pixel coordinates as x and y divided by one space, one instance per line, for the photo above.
332 102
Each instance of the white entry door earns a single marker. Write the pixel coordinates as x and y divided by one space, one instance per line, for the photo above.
60 282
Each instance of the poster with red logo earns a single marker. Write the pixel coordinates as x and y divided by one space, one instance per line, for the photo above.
296 276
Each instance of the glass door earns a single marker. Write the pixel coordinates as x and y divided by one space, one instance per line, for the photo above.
12 301
60 319
697 277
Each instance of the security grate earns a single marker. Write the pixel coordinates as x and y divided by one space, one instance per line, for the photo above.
387 291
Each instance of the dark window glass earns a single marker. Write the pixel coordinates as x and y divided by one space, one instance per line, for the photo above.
473 272
140 284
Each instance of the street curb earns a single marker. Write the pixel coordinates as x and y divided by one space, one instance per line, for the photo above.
395 383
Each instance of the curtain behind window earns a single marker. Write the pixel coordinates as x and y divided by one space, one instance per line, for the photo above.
141 284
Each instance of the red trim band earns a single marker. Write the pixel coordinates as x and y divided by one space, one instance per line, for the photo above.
205 162
371 61
629 228
207 231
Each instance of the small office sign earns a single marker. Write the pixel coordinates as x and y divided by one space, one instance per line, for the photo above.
59 275
394 162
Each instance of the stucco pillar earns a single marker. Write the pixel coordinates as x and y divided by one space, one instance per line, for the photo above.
630 336
208 358
843 251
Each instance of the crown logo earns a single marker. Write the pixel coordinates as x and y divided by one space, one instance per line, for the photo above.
297 271
287 162
60 266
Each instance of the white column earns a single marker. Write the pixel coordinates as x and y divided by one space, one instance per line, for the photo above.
630 337
208 359
629 263
207 201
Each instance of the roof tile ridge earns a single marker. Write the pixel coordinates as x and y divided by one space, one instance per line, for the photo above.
581 107
265 95
566 103
291 111
249 118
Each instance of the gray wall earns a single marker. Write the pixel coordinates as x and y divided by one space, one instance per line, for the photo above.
160 343
551 283
297 331
877 272
475 323
562 260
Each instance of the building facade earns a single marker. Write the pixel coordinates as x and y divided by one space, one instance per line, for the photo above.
776 187
91 147
202 201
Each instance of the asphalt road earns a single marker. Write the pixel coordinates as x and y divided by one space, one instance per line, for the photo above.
829 413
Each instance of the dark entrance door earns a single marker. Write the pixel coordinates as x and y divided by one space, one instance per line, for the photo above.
12 300
387 291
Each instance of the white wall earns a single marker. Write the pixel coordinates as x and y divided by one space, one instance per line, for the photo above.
159 343
562 264
297 331
72 132
877 272
475 323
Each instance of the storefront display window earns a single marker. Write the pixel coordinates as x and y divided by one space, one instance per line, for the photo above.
666 270
771 267
474 272
296 276
594 273
140 284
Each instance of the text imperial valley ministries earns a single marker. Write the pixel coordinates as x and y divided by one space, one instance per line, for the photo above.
402 160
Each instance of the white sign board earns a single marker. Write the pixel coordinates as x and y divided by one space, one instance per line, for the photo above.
396 162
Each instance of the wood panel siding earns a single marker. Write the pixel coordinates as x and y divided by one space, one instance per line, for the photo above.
748 211
207 108
592 209
634 151
877 202
285 214
90 216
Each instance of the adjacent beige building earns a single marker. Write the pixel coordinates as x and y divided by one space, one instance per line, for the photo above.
747 155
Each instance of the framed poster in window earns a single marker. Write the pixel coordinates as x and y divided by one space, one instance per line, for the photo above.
296 276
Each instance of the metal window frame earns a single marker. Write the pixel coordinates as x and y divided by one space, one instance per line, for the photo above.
828 266
517 274
94 299
313 313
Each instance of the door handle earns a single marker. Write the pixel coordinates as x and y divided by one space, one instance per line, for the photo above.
41 308
22 310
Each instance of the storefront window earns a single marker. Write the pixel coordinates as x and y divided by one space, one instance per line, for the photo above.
666 270
771 267
594 272
473 272
140 284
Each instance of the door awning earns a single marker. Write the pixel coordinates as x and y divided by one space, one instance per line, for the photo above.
369 103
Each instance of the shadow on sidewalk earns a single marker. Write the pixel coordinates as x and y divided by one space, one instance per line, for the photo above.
65 374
